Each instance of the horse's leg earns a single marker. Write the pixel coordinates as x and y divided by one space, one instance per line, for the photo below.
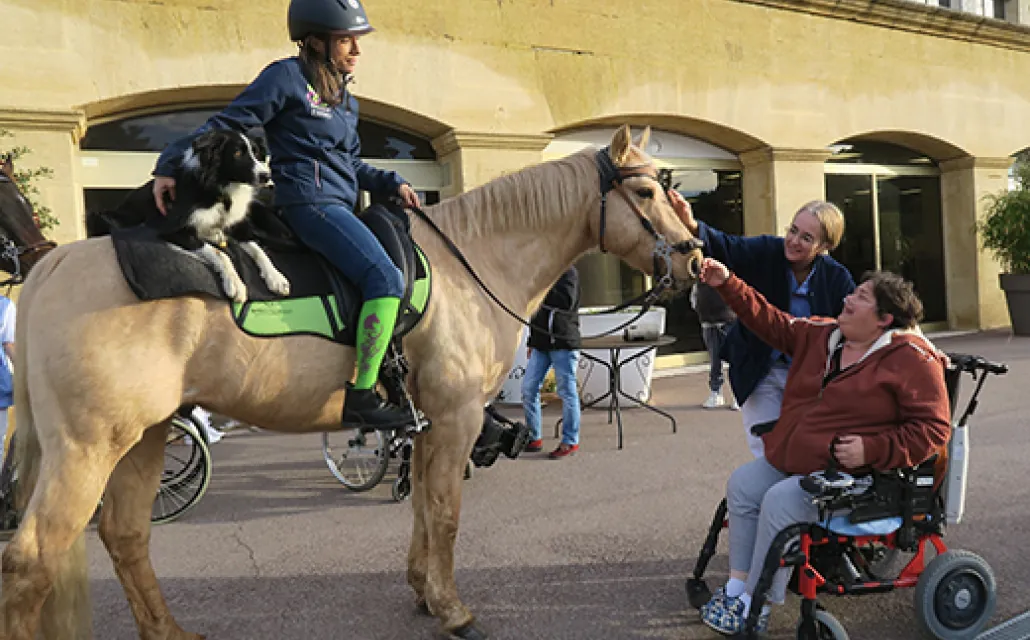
418 553
448 445
125 531
46 560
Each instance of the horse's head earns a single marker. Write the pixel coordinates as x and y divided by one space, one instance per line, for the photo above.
637 221
21 242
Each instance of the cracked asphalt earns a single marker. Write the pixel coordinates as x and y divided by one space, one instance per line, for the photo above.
596 546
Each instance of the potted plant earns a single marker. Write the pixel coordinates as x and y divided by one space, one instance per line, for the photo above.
1005 229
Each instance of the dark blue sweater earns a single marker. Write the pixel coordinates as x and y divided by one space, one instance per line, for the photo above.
760 262
314 147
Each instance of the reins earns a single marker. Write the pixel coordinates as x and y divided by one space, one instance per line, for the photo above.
611 178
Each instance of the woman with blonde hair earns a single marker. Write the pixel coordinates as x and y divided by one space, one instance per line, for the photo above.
796 274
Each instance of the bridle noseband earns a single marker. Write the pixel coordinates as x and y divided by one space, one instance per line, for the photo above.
13 252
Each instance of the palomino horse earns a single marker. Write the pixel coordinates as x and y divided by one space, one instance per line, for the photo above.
99 374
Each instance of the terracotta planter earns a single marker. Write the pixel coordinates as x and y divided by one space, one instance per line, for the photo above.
1017 293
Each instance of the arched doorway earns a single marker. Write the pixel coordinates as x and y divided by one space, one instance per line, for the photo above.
117 155
891 199
710 178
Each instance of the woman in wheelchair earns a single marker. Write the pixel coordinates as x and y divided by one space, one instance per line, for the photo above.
866 386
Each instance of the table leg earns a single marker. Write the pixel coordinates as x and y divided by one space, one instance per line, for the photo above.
615 385
619 391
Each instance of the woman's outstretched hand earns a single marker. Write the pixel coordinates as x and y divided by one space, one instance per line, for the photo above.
714 273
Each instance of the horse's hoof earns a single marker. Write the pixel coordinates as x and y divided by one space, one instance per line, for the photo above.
469 632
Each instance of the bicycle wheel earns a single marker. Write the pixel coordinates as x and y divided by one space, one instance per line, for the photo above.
358 459
187 471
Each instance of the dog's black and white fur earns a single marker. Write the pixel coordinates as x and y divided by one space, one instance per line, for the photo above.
217 183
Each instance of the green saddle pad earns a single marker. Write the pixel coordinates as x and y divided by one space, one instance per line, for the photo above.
322 315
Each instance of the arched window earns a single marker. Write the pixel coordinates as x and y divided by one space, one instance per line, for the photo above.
118 155
891 199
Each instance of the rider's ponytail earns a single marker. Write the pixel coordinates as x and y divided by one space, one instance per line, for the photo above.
323 77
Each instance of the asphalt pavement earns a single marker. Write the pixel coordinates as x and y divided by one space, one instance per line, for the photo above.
596 546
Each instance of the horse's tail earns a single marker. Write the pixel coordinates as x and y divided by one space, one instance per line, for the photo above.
67 612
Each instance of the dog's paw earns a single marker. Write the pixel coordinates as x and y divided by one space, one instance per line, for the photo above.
235 289
277 283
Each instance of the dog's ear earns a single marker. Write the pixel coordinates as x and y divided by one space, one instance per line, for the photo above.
208 148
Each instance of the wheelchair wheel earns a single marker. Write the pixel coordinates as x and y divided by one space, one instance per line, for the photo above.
358 459
186 474
827 627
956 595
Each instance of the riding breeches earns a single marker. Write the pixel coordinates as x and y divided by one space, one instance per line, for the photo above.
346 242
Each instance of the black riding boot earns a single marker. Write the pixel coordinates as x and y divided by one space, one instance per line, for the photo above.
365 408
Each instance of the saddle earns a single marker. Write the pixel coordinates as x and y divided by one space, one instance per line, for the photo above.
321 302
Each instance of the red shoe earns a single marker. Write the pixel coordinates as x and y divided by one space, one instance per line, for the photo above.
563 451
534 446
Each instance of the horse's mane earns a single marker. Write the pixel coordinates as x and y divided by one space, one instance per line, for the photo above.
534 198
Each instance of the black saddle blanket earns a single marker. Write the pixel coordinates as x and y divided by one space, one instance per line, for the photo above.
156 269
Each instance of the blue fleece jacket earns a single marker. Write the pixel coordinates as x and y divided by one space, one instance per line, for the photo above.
314 147
760 262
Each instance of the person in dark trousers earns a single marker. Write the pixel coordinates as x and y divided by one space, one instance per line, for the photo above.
715 317
554 342
310 119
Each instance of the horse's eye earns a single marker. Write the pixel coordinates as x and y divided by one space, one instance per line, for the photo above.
645 193
238 154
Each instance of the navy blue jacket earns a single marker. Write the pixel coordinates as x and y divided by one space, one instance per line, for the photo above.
314 147
760 262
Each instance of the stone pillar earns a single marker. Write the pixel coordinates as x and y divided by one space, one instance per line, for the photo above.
777 182
1017 11
470 159
975 299
53 138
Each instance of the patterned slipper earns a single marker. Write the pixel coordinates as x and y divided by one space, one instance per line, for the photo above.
727 617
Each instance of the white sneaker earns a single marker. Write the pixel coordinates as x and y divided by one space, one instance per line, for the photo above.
714 400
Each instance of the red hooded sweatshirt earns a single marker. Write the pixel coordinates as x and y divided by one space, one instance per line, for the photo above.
894 397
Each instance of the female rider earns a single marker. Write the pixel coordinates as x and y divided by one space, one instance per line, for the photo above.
310 120
796 275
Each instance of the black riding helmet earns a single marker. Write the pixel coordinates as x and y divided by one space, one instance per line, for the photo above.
306 17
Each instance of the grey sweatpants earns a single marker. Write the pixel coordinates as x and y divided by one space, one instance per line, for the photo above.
763 501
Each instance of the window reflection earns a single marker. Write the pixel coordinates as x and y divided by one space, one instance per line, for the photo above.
152 133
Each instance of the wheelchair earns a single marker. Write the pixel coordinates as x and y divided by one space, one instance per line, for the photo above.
887 513
361 457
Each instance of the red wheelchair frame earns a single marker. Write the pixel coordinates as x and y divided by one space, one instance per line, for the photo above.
955 591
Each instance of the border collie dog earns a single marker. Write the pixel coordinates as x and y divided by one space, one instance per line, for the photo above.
218 181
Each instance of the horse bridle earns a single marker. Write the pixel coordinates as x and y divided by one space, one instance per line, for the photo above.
611 177
14 253
11 251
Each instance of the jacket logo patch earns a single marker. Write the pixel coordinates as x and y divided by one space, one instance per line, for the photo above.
317 108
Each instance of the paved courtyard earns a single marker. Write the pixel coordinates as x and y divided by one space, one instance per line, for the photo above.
596 546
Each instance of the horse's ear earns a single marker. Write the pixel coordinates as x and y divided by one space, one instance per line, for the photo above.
644 138
7 167
619 148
